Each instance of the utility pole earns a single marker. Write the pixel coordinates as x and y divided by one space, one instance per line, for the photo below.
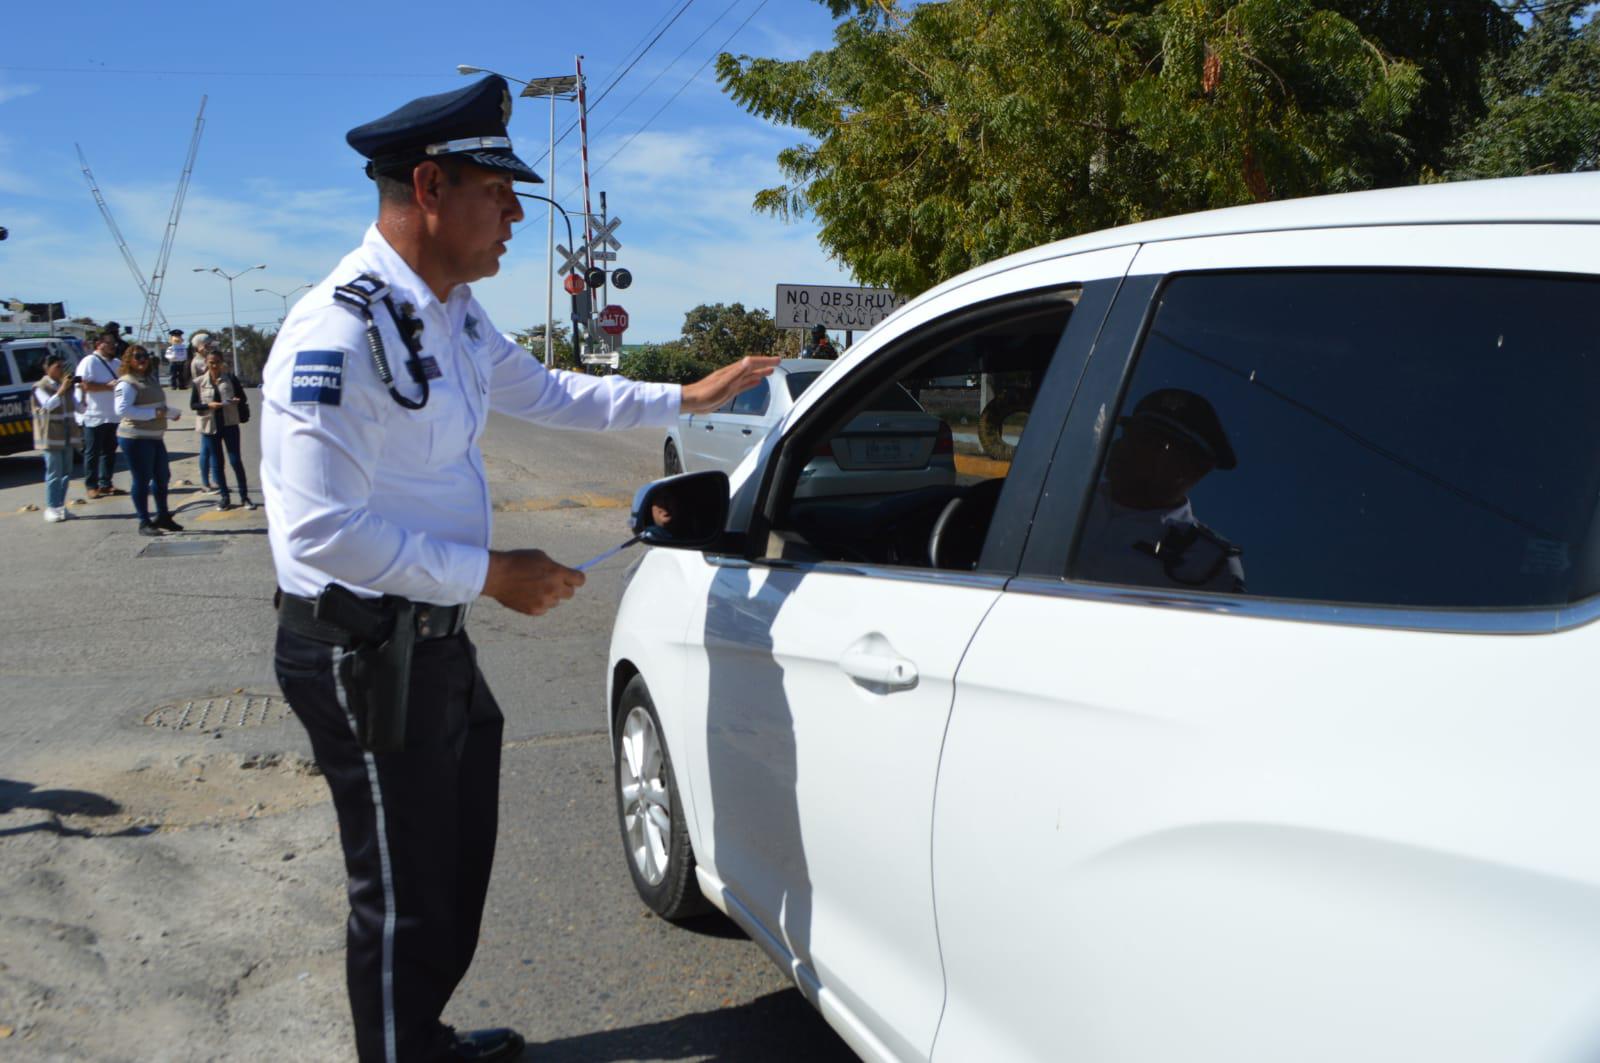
583 140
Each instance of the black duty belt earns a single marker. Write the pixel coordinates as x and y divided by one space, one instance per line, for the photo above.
299 615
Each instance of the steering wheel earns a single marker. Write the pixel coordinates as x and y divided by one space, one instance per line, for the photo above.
958 533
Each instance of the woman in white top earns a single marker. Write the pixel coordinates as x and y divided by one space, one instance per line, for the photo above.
142 405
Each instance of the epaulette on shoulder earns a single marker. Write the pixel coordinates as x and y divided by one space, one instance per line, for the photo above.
361 293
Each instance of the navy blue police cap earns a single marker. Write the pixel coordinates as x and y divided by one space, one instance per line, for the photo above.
1181 414
468 124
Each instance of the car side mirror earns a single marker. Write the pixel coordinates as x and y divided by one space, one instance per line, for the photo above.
686 512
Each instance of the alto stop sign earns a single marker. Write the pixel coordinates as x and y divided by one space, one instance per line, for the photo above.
614 320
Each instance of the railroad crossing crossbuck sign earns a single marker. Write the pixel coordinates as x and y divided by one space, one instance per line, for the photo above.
602 239
614 320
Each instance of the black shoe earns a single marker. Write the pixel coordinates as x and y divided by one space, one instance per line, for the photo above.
246 503
224 504
167 524
147 528
483 1045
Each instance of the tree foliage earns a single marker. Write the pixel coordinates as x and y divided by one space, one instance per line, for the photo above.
669 363
531 339
1543 100
948 134
719 333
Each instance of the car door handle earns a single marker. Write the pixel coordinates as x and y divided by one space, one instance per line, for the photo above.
878 668
711 428
746 431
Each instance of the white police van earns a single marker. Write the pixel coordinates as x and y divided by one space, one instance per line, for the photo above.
21 366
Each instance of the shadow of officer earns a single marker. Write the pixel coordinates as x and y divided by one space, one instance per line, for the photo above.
1141 528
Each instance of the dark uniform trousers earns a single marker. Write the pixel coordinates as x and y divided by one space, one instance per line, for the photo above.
418 831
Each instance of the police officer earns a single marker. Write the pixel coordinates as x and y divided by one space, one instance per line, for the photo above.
820 346
374 399
1141 529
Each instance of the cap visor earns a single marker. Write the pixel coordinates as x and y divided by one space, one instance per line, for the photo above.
503 160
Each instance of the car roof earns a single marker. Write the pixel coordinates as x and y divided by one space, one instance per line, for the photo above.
1550 198
804 365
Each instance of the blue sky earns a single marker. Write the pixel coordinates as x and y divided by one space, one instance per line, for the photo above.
275 182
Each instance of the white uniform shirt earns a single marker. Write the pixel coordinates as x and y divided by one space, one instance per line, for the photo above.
364 492
178 352
1121 545
99 407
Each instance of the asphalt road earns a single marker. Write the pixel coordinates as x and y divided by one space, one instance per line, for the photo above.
170 887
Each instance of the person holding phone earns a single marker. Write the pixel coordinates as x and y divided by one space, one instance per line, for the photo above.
55 433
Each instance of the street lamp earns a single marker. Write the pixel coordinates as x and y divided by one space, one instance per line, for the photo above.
565 86
233 324
285 297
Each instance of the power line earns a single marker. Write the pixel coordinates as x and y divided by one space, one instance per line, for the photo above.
206 73
616 80
681 88
709 27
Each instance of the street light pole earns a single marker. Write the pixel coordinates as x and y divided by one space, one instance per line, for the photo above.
285 297
563 86
233 323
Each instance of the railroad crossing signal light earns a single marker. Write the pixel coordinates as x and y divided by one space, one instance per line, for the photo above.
621 278
596 277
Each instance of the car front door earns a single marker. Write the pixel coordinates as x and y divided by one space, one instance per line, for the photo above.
1291 755
830 657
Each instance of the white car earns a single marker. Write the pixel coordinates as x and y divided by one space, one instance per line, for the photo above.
1247 713
894 446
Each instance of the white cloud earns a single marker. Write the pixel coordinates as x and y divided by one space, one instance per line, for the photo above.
15 92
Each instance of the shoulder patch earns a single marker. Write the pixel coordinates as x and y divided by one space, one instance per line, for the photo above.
318 376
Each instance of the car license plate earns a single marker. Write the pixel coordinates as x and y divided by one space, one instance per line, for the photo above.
885 451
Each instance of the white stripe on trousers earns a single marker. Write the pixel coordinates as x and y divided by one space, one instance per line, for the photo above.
389 1051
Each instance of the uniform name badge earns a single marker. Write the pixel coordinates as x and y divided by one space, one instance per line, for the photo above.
430 367
318 377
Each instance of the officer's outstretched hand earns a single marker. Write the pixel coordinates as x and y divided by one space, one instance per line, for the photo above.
711 391
528 581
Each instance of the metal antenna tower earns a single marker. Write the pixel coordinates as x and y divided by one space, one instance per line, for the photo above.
151 316
116 233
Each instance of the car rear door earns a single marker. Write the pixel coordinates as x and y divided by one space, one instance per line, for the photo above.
1341 806
827 685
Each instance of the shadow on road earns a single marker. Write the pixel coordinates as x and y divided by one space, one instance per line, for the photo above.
776 1028
16 795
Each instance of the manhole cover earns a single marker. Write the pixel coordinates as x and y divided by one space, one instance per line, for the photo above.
219 712
182 547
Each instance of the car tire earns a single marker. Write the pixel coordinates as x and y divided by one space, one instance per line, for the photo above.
670 460
655 838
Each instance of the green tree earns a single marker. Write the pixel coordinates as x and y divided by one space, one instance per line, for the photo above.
668 363
532 339
254 346
953 133
719 333
1543 99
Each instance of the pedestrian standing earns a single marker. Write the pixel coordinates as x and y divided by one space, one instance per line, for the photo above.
177 358
375 486
220 407
55 433
200 346
97 380
142 407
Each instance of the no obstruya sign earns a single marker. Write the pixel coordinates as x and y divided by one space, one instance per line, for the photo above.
834 307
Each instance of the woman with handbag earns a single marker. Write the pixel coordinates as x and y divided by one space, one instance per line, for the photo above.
220 407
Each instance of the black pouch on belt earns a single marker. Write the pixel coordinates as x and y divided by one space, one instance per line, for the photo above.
377 670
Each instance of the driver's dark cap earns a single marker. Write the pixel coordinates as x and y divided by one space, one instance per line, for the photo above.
469 123
1187 417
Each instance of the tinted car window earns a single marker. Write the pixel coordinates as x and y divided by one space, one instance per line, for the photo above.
5 369
798 382
1406 439
30 363
753 402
